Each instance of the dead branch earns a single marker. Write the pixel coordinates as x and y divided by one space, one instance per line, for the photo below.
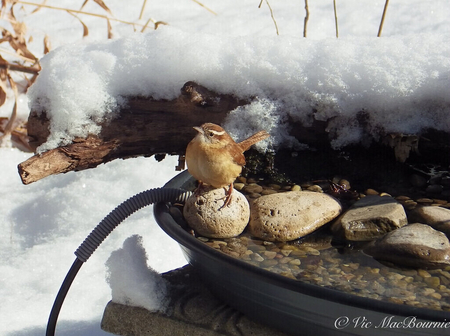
144 128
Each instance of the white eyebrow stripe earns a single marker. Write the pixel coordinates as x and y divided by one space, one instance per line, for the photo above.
216 132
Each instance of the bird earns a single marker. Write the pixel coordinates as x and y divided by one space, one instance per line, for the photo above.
215 159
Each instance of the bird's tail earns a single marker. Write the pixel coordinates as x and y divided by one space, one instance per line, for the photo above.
247 143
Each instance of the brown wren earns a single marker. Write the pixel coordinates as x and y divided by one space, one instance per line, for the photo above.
214 158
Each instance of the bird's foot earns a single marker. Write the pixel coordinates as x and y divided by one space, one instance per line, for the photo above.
228 196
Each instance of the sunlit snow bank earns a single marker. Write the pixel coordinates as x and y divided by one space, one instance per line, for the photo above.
400 82
131 280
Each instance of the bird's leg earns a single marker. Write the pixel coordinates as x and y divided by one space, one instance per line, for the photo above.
228 195
199 188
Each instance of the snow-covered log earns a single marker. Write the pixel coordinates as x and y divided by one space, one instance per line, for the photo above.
143 128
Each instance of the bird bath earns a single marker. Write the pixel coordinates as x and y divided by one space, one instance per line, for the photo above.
300 305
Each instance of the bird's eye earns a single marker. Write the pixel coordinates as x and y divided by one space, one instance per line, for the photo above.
211 134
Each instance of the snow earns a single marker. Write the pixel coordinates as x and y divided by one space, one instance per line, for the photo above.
132 281
400 80
306 79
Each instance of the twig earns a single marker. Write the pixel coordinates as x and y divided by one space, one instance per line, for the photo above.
85 28
79 12
38 8
382 18
271 14
336 19
5 51
306 18
100 3
142 9
47 45
22 68
109 28
155 24
273 18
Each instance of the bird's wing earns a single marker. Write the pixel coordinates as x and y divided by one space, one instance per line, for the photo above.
237 154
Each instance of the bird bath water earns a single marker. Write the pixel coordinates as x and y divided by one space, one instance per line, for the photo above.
305 287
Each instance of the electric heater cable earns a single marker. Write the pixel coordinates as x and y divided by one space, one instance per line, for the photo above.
102 230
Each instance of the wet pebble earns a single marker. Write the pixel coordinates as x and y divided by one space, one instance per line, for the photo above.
315 188
432 281
296 262
285 252
268 263
257 257
425 201
238 186
371 192
270 254
268 192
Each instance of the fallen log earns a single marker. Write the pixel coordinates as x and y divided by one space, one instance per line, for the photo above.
147 127
144 128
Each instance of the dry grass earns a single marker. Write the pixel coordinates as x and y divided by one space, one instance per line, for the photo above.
336 19
382 18
305 23
271 14
14 43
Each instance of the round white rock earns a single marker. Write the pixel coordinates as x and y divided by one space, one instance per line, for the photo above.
209 218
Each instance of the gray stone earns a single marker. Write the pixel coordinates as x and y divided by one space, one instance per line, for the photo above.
436 217
206 214
418 181
291 215
434 189
370 217
414 245
252 188
193 310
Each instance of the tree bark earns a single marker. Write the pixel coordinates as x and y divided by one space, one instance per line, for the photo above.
144 128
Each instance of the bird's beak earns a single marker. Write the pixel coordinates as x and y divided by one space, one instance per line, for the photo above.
198 129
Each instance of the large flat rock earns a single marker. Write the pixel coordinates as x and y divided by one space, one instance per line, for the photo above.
291 215
414 245
437 217
371 217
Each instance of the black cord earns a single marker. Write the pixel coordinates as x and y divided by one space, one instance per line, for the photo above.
102 230
51 325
